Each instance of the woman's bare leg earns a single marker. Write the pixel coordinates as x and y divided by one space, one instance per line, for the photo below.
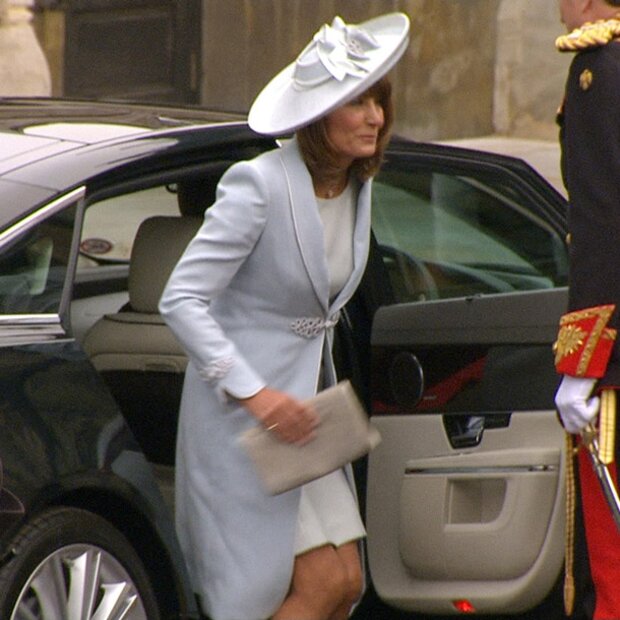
321 584
350 558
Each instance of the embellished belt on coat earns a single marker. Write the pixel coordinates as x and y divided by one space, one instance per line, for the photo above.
306 327
311 327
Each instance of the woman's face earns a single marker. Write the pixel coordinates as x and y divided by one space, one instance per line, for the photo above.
353 129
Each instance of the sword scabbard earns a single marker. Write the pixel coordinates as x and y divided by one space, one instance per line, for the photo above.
607 427
590 441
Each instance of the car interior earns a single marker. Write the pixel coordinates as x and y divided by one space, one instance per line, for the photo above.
131 347
134 350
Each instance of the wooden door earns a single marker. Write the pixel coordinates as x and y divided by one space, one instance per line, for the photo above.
140 50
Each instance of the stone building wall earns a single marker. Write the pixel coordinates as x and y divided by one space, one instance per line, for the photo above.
473 67
23 67
529 72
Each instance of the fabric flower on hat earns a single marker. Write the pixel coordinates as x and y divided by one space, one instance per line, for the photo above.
340 62
334 52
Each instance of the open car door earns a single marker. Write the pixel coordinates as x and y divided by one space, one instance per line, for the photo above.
465 493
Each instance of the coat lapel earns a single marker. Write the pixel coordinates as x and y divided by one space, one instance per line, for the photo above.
309 229
306 220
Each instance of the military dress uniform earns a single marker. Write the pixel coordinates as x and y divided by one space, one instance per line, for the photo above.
587 345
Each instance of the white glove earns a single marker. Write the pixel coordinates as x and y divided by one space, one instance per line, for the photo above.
575 404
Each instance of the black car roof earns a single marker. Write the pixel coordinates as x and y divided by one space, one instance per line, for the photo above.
19 112
48 147
40 128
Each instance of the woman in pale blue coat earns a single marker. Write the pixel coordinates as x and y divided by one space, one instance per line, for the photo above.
254 301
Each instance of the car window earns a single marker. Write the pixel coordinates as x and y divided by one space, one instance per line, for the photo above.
110 225
33 265
446 235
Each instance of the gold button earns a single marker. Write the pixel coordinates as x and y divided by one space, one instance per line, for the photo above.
585 79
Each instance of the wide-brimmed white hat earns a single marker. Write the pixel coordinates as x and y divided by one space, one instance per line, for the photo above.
340 63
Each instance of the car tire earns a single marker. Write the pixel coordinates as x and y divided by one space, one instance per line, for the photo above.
69 563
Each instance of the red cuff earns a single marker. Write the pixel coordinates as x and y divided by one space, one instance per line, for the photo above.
584 343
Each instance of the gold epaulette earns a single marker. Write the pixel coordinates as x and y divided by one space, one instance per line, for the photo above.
585 342
591 34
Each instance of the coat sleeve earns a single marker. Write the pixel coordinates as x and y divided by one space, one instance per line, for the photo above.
591 159
228 235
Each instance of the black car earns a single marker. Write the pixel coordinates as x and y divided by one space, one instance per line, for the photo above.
448 341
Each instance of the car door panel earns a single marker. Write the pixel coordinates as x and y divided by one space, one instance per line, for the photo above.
483 502
488 533
465 492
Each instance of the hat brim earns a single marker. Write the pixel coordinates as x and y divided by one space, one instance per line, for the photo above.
282 108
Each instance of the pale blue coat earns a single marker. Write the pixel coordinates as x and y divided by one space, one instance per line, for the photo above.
255 271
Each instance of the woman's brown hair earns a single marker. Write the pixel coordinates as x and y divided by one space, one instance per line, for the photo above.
319 155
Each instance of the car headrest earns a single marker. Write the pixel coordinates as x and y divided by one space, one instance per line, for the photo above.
158 245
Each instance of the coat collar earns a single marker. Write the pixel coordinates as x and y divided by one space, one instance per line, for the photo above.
309 229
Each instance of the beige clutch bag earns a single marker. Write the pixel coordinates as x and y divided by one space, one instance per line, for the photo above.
343 435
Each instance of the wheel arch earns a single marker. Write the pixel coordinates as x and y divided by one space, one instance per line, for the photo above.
126 517
132 508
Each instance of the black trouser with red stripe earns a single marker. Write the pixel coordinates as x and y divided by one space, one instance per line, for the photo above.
597 557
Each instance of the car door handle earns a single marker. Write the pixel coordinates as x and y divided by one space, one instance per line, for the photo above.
464 431
467 430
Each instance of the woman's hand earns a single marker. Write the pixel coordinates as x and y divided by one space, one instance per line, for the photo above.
287 418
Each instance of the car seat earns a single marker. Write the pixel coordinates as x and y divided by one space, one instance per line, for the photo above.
134 350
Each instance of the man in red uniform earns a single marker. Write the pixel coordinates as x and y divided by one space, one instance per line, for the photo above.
587 351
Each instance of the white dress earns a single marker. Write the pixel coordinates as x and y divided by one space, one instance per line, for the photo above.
328 511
